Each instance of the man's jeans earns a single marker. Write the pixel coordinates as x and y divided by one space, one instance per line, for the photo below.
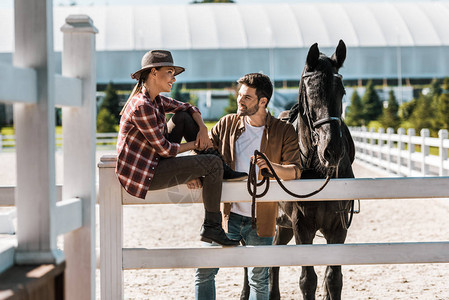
239 229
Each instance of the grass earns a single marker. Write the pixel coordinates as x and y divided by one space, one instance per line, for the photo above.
7 131
210 124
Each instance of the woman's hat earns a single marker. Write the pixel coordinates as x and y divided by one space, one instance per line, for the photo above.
156 58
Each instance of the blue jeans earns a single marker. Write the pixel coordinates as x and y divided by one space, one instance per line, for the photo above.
239 228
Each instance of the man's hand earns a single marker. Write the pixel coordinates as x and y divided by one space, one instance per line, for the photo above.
285 172
203 141
194 184
261 163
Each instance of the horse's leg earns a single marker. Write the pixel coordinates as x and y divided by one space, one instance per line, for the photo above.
304 233
282 237
244 295
333 283
334 277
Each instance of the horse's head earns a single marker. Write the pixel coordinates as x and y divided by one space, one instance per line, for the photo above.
322 93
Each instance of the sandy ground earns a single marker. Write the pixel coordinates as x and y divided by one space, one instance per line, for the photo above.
379 221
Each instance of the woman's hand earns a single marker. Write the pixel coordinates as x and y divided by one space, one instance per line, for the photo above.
194 184
203 141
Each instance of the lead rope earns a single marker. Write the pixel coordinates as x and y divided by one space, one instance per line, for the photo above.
252 183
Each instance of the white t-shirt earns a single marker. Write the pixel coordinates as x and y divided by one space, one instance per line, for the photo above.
245 145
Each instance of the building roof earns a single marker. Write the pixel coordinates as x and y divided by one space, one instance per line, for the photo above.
235 26
233 39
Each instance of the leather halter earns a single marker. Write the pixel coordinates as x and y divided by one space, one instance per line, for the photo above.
316 124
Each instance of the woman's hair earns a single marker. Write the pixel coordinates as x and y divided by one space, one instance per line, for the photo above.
138 87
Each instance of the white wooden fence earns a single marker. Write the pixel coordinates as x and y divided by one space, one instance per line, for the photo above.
396 152
34 88
114 258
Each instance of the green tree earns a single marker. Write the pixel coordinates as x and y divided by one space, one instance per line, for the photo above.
443 106
446 85
105 121
111 102
443 110
435 89
232 104
390 116
406 110
2 115
372 106
177 94
423 115
193 99
354 114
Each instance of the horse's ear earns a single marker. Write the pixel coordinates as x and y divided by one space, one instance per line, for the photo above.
340 54
312 57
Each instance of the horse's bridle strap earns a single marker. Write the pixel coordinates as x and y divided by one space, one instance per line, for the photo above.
326 120
308 74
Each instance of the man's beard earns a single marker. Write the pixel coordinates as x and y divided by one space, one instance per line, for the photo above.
249 111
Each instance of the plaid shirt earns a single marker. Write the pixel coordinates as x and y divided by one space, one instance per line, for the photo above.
142 140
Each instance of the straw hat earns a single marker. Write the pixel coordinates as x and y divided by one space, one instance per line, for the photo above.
156 58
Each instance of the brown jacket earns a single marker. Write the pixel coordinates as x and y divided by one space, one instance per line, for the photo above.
279 143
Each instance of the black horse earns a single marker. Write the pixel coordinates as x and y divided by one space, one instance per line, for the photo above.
327 149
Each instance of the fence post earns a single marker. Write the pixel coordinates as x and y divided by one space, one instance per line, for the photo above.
364 140
424 151
79 129
372 142
390 145
411 149
401 132
111 231
442 153
35 137
380 145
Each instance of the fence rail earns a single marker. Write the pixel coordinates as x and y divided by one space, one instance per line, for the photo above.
8 142
403 153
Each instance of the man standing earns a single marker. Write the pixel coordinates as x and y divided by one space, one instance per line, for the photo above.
236 136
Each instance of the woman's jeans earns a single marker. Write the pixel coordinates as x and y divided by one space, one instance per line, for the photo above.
179 170
239 229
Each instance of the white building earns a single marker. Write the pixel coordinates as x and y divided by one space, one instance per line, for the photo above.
221 42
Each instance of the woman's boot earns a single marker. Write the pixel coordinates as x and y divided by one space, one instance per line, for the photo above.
211 231
228 173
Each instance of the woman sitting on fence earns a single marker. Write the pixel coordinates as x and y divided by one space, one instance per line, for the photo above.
147 146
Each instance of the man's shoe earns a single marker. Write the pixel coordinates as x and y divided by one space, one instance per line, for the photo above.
211 231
